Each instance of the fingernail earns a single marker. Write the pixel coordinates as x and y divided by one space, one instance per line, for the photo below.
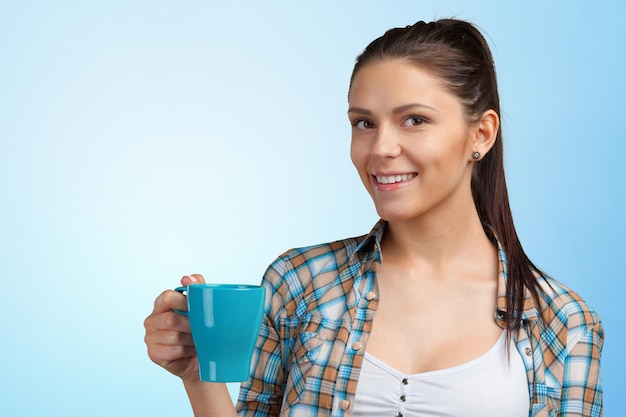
191 278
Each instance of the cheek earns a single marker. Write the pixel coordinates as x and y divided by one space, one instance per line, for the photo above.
360 156
357 155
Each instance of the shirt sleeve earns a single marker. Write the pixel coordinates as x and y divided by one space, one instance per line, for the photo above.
262 394
581 393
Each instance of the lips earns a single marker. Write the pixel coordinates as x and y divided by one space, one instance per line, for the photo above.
394 179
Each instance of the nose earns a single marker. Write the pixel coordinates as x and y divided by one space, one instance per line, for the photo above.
386 143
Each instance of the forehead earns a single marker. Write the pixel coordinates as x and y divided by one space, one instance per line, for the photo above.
397 82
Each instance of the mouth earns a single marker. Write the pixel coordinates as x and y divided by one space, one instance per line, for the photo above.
394 179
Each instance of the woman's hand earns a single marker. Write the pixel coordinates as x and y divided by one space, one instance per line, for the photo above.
170 345
168 335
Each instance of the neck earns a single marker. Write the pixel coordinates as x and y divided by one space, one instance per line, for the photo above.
436 242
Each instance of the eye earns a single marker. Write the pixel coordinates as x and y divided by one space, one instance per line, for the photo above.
413 121
363 124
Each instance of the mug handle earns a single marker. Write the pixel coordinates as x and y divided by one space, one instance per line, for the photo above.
181 290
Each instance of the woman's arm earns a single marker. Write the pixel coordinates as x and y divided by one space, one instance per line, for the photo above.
210 399
581 390
262 394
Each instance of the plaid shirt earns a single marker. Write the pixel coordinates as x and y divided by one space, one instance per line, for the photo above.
321 304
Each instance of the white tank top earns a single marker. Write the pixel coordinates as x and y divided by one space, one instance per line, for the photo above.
489 385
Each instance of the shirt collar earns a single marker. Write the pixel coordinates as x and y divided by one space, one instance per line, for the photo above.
371 243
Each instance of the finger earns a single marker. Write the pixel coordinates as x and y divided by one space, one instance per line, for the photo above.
168 338
164 354
192 279
167 321
170 300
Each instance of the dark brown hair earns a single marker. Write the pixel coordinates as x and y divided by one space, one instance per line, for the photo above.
457 53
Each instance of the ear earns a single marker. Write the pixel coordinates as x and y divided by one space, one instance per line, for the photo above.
485 134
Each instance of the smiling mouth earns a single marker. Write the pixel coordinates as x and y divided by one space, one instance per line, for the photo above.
393 179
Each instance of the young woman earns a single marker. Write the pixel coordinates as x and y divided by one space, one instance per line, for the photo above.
437 311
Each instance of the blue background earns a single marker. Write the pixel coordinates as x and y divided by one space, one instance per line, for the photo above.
144 140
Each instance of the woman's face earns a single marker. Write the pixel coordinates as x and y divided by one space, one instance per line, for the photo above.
411 143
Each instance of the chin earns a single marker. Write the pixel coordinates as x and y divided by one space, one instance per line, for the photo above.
394 215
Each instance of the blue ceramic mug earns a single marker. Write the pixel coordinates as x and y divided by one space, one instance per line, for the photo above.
225 321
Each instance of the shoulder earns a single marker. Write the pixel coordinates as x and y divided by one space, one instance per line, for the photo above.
563 310
303 273
321 254
569 338
308 261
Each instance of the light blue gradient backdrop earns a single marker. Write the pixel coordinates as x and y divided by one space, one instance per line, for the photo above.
143 140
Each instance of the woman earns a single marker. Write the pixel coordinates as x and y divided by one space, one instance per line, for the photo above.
437 311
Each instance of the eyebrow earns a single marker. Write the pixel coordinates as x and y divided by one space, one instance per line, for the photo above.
397 110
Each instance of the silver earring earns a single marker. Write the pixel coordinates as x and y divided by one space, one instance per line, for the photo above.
476 155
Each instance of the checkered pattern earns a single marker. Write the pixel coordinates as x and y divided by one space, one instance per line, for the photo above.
307 364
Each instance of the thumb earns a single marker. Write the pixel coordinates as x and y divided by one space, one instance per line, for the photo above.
192 279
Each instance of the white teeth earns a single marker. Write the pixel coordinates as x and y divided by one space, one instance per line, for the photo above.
392 179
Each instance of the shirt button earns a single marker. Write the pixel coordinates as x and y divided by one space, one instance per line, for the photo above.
344 404
528 351
405 381
370 296
403 398
357 346
398 414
